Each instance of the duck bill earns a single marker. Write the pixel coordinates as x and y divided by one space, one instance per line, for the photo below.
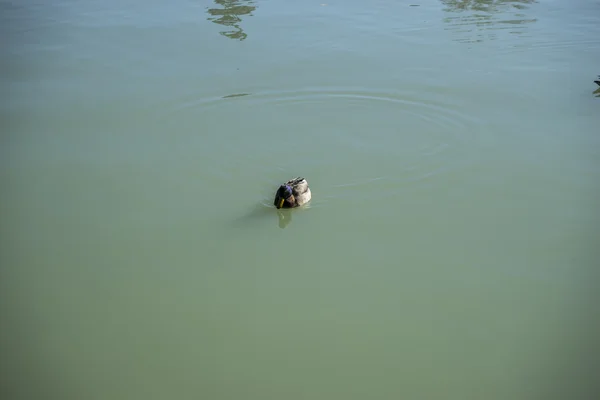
280 202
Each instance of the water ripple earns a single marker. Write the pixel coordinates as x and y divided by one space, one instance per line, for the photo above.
426 133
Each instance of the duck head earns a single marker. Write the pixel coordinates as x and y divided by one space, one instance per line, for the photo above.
284 197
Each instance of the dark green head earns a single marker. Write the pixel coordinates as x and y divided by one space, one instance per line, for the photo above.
284 197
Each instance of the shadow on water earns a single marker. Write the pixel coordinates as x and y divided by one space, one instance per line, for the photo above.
479 20
230 15
262 213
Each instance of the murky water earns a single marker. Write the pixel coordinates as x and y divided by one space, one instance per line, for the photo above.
449 251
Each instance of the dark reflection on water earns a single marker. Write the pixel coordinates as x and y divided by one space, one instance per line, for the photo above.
479 20
230 15
597 91
230 96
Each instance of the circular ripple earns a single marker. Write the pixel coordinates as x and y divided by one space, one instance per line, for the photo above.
372 143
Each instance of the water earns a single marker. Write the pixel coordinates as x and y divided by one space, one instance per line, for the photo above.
449 252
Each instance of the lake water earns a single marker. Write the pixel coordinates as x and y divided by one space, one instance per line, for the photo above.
450 250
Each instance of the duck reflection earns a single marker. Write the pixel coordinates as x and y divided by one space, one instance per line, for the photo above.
285 217
597 91
229 15
485 18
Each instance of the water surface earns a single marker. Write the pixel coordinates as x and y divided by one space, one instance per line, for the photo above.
449 251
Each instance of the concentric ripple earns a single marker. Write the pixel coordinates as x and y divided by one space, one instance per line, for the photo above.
370 142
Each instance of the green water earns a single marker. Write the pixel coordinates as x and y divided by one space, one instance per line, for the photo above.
450 249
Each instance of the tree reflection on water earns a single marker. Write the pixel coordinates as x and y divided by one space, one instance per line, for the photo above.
229 15
486 5
483 19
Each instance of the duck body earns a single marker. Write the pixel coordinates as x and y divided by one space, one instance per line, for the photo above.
293 193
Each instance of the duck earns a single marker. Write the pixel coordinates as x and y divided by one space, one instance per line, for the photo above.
598 81
293 193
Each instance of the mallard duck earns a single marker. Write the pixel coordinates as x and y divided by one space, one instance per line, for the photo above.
293 193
